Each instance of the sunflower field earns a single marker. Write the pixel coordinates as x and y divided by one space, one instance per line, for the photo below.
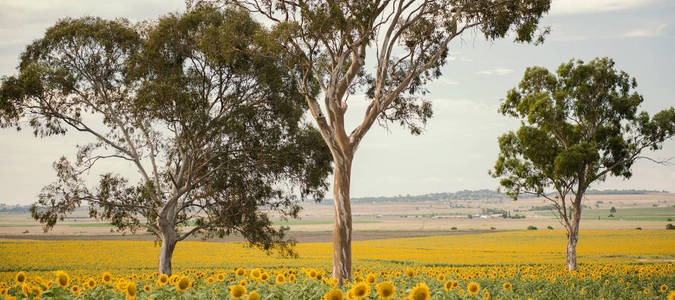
636 265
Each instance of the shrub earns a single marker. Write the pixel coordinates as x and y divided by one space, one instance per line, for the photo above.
549 227
453 228
670 226
531 227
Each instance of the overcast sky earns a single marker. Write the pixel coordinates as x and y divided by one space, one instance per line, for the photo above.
459 145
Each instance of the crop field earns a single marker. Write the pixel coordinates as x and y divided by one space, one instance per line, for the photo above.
621 264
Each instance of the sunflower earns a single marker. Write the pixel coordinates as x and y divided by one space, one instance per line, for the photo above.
334 294
130 291
91 283
147 288
292 278
237 291
448 285
75 290
440 277
210 280
35 291
361 290
264 277
312 274
106 278
253 296
420 292
507 286
20 277
220 277
671 296
664 288
386 289
370 279
182 284
255 273
486 295
240 272
410 272
473 288
162 280
62 279
242 282
281 279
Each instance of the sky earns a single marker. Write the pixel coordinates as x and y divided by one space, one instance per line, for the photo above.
459 144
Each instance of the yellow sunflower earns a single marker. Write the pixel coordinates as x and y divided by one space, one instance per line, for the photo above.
253 296
281 279
240 272
183 284
671 296
106 278
473 288
162 280
664 288
334 294
420 292
507 286
255 273
237 291
361 290
448 285
91 283
147 288
220 277
386 289
486 295
20 277
62 279
440 277
264 277
75 290
370 279
130 291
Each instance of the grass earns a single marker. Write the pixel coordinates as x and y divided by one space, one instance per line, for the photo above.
631 214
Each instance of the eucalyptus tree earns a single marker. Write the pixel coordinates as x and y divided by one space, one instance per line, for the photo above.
326 44
579 126
194 102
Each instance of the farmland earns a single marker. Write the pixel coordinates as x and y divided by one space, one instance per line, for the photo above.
614 264
442 248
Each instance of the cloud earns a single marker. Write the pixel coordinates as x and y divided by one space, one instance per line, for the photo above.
563 7
649 32
496 72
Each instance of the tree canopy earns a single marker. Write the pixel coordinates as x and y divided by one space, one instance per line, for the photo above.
195 102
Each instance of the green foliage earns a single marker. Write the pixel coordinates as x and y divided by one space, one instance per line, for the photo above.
531 227
670 226
579 125
195 102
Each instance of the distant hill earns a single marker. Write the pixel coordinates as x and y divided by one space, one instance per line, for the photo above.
483 194
14 208
623 192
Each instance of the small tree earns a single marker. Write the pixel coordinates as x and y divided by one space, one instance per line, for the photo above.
326 44
578 128
612 210
210 122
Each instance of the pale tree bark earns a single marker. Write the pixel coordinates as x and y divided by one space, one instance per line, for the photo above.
342 232
573 233
169 240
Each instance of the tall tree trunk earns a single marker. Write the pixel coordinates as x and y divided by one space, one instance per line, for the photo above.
169 239
573 236
342 233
